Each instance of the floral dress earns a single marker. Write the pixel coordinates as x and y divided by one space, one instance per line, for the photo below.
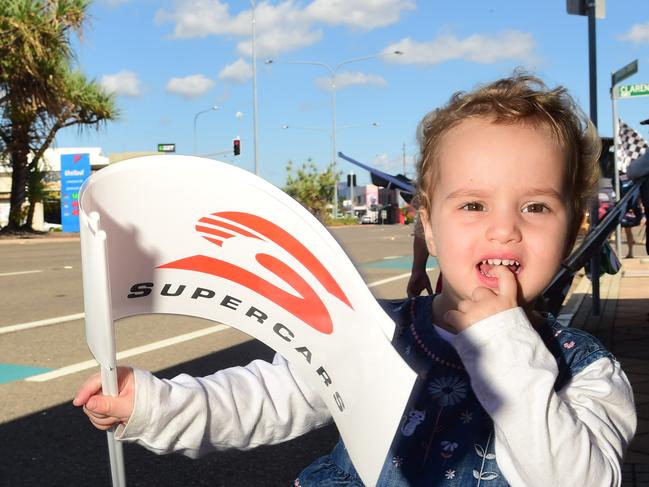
445 437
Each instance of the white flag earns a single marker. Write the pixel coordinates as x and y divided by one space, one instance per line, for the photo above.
191 236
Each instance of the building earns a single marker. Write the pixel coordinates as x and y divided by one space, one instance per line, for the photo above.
382 205
50 164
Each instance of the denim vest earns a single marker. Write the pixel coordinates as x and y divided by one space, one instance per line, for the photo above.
445 437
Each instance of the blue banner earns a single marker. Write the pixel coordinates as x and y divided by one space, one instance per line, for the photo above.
75 169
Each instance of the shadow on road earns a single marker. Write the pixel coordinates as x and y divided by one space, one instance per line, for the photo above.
58 447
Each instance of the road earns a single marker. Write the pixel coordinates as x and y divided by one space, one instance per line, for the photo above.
44 358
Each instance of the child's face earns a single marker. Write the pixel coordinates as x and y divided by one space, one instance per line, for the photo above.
499 196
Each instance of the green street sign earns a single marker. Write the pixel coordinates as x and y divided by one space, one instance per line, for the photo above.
638 89
621 74
166 147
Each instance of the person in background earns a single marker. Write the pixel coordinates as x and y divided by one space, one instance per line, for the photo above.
419 280
632 218
639 168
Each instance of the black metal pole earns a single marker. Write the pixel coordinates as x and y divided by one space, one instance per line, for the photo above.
594 209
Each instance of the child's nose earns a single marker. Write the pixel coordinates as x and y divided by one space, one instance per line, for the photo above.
504 229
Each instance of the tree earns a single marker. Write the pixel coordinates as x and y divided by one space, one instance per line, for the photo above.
313 189
41 89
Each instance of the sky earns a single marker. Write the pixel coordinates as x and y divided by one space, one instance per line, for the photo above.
169 62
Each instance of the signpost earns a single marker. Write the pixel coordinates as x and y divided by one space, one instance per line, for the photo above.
617 92
75 169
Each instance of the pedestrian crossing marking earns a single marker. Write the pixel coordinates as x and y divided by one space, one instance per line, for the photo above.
13 372
403 262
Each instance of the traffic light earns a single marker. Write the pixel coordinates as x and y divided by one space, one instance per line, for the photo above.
236 147
351 180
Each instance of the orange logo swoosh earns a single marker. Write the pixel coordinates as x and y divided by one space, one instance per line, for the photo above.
308 306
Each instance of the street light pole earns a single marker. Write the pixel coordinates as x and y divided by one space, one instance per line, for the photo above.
332 73
594 209
254 89
334 159
215 107
591 9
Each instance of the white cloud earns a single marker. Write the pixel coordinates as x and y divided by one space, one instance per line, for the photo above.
638 33
390 165
237 72
281 27
358 14
273 42
349 78
123 83
483 49
114 3
197 18
190 86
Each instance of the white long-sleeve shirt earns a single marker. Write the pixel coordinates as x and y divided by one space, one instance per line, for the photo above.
573 437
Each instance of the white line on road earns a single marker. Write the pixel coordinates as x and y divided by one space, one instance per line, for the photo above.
393 278
389 279
80 316
89 364
36 324
18 273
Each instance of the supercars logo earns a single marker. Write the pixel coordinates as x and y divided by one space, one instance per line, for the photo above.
306 306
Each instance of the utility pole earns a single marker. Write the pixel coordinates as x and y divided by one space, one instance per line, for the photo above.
592 9
594 209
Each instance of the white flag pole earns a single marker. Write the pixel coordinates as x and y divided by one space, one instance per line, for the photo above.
115 451
99 323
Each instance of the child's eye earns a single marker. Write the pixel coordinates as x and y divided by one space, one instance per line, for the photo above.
473 206
535 208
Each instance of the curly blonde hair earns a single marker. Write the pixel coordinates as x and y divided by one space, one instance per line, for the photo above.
521 98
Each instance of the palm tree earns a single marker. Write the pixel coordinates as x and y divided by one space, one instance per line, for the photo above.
41 89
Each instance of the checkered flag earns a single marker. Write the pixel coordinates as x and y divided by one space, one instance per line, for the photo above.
631 146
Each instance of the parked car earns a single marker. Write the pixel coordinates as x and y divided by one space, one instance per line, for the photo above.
366 219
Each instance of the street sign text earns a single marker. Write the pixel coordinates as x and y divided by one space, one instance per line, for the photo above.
638 89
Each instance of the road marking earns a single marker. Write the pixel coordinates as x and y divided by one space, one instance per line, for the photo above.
5 274
80 316
89 364
13 373
389 279
394 278
36 324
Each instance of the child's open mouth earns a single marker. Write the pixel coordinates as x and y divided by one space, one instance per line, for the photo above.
486 265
